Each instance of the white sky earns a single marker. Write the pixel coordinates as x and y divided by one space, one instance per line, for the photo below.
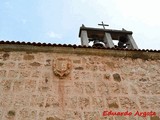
58 21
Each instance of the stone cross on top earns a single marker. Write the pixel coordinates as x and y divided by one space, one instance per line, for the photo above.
103 25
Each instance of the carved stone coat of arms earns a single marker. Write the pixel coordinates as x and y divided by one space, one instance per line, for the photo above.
62 67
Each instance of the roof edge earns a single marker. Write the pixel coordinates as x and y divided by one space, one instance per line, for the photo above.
81 50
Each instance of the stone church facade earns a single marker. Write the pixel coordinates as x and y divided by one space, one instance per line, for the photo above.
60 82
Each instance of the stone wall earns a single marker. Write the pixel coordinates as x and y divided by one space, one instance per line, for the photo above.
77 86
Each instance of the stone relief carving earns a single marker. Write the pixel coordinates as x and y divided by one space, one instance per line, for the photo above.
62 67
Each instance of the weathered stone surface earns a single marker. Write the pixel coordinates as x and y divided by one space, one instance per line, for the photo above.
143 102
1 64
6 100
25 74
48 62
102 88
155 118
1 114
27 114
5 85
71 103
53 118
28 57
6 56
128 103
124 87
133 90
107 76
37 101
8 64
79 68
18 86
117 77
97 76
98 102
77 75
36 74
114 88
77 61
79 87
41 115
73 115
2 73
120 118
91 115
21 101
112 102
31 90
11 113
52 101
35 64
13 74
30 85
45 85
154 102
89 87
84 102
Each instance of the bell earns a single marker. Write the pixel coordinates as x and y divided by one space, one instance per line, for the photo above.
122 42
98 43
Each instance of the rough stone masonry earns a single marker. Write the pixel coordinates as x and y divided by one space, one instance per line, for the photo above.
66 83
